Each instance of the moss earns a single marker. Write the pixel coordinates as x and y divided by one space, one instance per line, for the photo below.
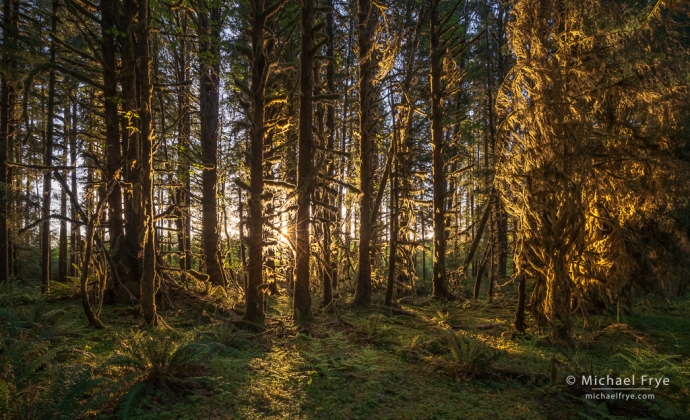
364 364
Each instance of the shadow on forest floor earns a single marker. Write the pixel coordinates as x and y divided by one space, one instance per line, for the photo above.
429 361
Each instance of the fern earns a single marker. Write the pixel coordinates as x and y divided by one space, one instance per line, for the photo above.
228 335
130 400
35 381
147 359
370 327
467 353
159 357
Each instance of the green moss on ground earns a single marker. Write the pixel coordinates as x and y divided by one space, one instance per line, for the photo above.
372 364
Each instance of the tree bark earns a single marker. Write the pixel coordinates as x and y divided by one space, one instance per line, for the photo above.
131 146
482 267
7 102
520 311
74 236
438 282
209 103
254 296
305 164
393 246
367 19
330 271
62 255
143 184
118 244
182 198
48 161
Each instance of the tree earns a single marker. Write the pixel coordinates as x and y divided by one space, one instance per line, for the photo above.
580 124
260 69
367 18
305 166
209 90
142 189
443 76
48 161
118 244
7 108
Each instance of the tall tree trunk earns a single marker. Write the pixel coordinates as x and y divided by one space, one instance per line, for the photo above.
254 296
48 161
305 164
393 223
367 20
144 183
438 282
131 145
242 253
209 103
423 241
346 126
118 244
62 256
182 198
330 271
74 236
7 101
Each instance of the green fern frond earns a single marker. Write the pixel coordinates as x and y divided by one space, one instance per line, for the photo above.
130 400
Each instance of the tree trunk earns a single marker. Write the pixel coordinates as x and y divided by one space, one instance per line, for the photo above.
520 311
438 282
330 271
367 20
118 244
148 284
482 267
253 294
62 256
423 241
393 222
305 164
182 199
209 103
48 161
131 145
74 236
7 100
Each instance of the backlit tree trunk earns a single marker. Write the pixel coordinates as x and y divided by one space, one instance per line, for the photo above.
330 270
438 282
48 161
148 280
305 181
209 103
367 18
118 244
254 296
182 198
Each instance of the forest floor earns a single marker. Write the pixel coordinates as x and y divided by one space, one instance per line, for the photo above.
433 360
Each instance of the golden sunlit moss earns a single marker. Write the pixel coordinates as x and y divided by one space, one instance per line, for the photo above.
583 167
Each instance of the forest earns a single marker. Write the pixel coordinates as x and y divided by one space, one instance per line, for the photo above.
340 209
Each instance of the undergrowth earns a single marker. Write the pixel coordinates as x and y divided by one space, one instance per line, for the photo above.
348 364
